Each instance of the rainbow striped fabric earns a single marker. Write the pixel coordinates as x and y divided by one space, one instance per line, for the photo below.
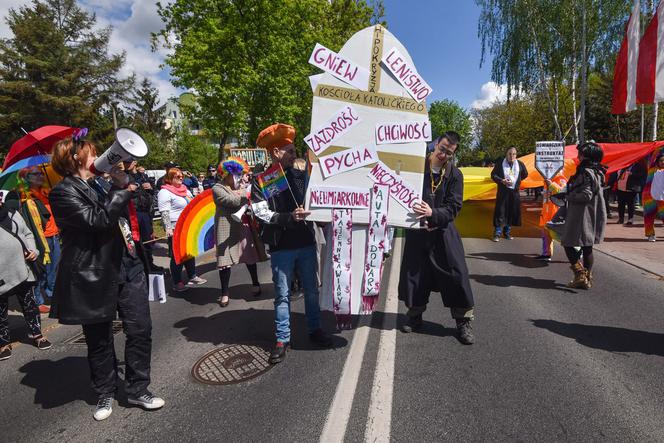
272 181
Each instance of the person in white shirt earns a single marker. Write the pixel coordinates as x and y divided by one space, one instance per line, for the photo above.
172 199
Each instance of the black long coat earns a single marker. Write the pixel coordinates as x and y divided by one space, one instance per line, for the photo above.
508 201
87 281
435 260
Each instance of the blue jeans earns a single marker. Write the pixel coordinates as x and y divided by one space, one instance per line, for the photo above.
283 264
47 280
176 270
498 231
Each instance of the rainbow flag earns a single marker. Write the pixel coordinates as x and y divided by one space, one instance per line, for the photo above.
273 181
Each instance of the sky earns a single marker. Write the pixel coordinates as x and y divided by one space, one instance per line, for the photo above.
440 35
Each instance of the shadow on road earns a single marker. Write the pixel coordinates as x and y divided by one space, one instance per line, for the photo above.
607 338
506 281
387 321
251 326
520 260
59 382
624 240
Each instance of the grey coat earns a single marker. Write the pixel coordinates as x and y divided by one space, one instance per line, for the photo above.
228 232
13 268
586 212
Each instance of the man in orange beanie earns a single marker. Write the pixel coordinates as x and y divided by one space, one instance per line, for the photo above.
290 238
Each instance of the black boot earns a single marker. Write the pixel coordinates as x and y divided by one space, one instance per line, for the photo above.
465 331
413 324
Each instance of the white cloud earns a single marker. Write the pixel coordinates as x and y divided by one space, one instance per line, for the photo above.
490 92
132 22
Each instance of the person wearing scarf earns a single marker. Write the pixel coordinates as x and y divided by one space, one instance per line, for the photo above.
508 175
172 198
433 256
586 214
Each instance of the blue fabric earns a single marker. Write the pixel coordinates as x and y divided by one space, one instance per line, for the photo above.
283 263
47 279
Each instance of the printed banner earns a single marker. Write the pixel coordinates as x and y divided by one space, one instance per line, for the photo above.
400 190
549 158
342 244
403 132
340 67
338 197
376 238
347 160
323 136
407 75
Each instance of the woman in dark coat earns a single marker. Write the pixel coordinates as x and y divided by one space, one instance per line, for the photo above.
100 273
434 258
508 175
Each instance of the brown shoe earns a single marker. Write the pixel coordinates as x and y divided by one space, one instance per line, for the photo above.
580 280
589 278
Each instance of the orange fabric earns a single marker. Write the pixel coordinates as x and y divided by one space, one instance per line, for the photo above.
51 228
276 136
549 209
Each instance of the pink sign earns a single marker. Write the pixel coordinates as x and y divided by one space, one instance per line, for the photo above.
406 74
400 190
347 160
338 197
343 69
403 132
322 137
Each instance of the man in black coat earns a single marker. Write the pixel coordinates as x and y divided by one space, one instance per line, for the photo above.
434 258
508 175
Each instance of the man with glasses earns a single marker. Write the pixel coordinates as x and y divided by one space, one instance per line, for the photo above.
434 258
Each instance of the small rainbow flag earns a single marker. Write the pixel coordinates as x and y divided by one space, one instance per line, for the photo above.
273 181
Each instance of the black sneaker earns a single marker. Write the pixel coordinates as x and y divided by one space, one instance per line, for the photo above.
278 353
465 332
147 401
5 352
321 338
104 408
543 257
412 325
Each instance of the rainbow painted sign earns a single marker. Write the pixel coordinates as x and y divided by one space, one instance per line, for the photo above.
194 231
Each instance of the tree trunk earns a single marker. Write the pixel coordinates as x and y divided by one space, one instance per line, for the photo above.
222 143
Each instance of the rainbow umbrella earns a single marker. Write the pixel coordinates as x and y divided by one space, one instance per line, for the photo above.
39 141
9 177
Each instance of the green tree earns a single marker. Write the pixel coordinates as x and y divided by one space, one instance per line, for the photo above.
192 152
144 109
56 69
448 115
247 59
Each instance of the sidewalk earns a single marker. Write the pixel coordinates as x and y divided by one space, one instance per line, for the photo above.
629 244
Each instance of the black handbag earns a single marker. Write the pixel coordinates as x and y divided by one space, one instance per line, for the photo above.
37 267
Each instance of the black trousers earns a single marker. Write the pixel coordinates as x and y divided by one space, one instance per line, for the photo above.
626 198
26 298
146 230
134 310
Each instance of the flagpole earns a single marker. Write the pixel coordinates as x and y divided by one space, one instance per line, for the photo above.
289 188
654 123
642 122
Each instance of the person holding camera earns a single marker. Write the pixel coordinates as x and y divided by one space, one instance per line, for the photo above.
101 274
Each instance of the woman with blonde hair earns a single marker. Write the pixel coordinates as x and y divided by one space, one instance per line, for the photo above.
236 242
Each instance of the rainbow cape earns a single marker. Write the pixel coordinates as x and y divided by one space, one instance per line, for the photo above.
272 181
194 231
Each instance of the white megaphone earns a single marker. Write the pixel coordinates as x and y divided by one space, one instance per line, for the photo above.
237 215
127 145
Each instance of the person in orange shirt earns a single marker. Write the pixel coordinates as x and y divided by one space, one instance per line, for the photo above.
549 209
43 226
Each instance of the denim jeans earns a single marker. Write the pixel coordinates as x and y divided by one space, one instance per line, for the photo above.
176 270
47 280
283 264
498 231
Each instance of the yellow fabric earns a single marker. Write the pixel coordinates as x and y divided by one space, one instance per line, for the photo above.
36 219
477 184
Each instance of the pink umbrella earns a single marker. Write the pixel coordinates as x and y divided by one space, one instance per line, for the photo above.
39 141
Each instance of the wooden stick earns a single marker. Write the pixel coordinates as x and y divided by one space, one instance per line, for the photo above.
154 240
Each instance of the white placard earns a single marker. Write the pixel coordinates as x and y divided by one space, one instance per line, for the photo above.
400 190
347 160
340 67
549 158
406 74
376 239
323 136
342 255
403 132
338 197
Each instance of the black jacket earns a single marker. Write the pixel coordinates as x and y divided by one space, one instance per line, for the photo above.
86 285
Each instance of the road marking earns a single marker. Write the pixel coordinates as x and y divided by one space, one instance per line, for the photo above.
379 419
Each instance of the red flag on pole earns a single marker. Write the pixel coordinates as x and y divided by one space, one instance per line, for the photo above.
650 72
624 77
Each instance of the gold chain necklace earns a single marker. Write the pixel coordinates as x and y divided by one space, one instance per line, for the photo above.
440 180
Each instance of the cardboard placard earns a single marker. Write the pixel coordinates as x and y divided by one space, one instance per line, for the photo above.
347 160
338 197
400 190
340 67
403 132
407 75
549 158
323 136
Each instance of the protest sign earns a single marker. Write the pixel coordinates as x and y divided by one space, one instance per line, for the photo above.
322 137
340 67
549 158
403 132
407 75
400 190
337 197
347 160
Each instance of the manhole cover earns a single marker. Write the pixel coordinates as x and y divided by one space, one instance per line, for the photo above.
79 339
231 364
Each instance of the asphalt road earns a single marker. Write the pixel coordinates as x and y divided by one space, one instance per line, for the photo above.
550 364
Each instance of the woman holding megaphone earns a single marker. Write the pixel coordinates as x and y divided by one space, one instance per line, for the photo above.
100 272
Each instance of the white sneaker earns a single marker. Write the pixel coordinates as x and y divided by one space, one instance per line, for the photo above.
196 281
147 401
652 238
104 408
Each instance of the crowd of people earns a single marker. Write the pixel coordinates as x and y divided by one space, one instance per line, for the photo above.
87 244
